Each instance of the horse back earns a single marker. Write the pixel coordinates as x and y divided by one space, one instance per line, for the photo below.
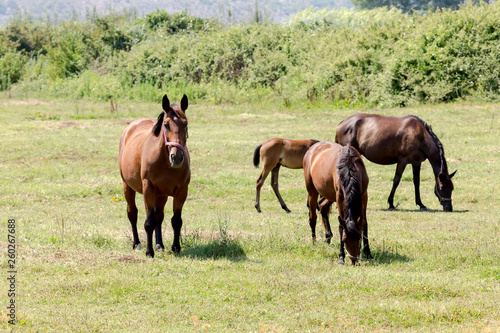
320 164
383 139
289 153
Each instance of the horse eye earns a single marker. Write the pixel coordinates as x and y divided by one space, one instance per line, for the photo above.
167 126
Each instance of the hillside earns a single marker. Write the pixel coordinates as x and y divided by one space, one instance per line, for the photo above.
225 10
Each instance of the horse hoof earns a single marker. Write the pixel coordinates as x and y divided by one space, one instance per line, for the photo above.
150 254
159 247
341 262
423 208
176 249
391 209
137 247
287 210
258 209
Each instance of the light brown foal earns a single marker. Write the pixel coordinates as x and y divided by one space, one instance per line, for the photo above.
276 153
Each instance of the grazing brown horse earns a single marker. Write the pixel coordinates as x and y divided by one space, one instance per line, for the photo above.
276 153
338 174
401 140
154 161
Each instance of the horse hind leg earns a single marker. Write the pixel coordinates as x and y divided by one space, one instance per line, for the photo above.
260 182
132 214
313 202
274 185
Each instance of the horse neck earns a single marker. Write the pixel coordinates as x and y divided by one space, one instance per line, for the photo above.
437 160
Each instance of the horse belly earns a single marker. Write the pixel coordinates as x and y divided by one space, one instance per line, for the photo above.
292 161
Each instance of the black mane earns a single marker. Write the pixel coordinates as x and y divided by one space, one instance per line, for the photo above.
439 145
157 126
351 187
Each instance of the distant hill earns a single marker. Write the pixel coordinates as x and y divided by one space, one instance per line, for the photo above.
225 10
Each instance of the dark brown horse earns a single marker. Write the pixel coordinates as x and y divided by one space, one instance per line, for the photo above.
338 174
154 161
276 153
401 140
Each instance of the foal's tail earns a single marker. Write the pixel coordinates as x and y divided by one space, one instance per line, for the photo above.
256 156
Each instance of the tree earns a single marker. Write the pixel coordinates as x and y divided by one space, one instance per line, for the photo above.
407 6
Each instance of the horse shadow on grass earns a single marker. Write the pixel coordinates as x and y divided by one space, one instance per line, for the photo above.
388 257
417 210
215 249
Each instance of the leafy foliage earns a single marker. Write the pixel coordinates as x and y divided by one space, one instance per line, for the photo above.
372 57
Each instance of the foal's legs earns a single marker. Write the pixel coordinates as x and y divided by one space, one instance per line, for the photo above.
416 183
159 214
274 185
260 182
400 168
132 214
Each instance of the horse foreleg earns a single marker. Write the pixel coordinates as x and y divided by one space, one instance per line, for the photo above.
366 245
341 252
416 183
325 210
150 224
260 182
159 215
274 185
132 214
400 168
177 219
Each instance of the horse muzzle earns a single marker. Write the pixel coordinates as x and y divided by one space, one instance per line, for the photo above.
176 159
447 206
175 154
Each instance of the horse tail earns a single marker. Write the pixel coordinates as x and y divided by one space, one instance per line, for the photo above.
256 156
157 126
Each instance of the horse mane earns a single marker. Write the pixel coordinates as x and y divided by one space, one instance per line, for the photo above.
439 145
157 127
351 187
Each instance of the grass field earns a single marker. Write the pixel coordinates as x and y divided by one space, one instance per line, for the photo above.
239 270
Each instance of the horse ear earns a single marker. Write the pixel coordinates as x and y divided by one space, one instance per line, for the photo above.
184 103
165 103
453 174
341 222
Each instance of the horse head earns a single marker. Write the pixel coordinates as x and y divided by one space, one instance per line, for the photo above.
351 236
443 189
175 130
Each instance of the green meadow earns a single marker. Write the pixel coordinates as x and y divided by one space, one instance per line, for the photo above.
238 270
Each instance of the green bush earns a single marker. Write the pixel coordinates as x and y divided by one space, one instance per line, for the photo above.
378 58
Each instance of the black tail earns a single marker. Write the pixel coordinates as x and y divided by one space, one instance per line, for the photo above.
256 156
